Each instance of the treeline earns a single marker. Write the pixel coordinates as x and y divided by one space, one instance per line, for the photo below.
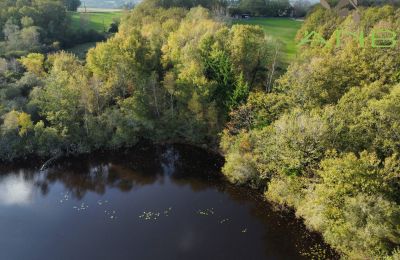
368 3
187 4
38 26
326 140
169 74
295 8
271 8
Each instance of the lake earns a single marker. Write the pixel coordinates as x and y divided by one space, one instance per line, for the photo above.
151 202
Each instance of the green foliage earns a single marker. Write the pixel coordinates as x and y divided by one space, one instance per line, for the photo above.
321 21
16 39
34 63
254 64
185 3
262 7
181 76
45 25
310 81
350 206
240 93
72 5
341 98
299 140
26 25
287 190
260 110
167 75
240 168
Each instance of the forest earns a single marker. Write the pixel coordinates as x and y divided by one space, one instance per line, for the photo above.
325 140
39 26
146 82
321 136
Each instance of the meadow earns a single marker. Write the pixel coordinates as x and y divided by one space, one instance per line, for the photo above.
283 29
99 20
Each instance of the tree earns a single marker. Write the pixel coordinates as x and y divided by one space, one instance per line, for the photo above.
10 121
254 65
340 98
34 63
301 8
25 124
26 22
60 100
72 5
11 33
17 121
350 205
31 25
264 7
30 38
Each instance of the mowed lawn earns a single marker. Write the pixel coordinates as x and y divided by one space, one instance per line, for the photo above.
95 20
283 29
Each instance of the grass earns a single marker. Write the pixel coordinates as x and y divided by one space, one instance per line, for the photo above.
283 29
93 19
99 21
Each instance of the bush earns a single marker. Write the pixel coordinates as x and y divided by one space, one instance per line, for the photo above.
240 169
352 206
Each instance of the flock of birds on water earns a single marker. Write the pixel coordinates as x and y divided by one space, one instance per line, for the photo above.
146 215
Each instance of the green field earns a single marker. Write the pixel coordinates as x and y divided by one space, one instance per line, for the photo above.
99 21
283 29
94 19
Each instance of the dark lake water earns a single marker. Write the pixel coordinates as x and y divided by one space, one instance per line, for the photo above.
162 202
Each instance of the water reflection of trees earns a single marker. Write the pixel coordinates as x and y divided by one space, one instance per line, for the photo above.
126 171
183 166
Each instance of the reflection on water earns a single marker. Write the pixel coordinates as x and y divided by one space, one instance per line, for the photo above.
148 203
169 158
15 190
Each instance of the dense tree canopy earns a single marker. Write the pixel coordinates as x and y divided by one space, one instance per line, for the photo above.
263 8
72 5
169 74
325 141
38 26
